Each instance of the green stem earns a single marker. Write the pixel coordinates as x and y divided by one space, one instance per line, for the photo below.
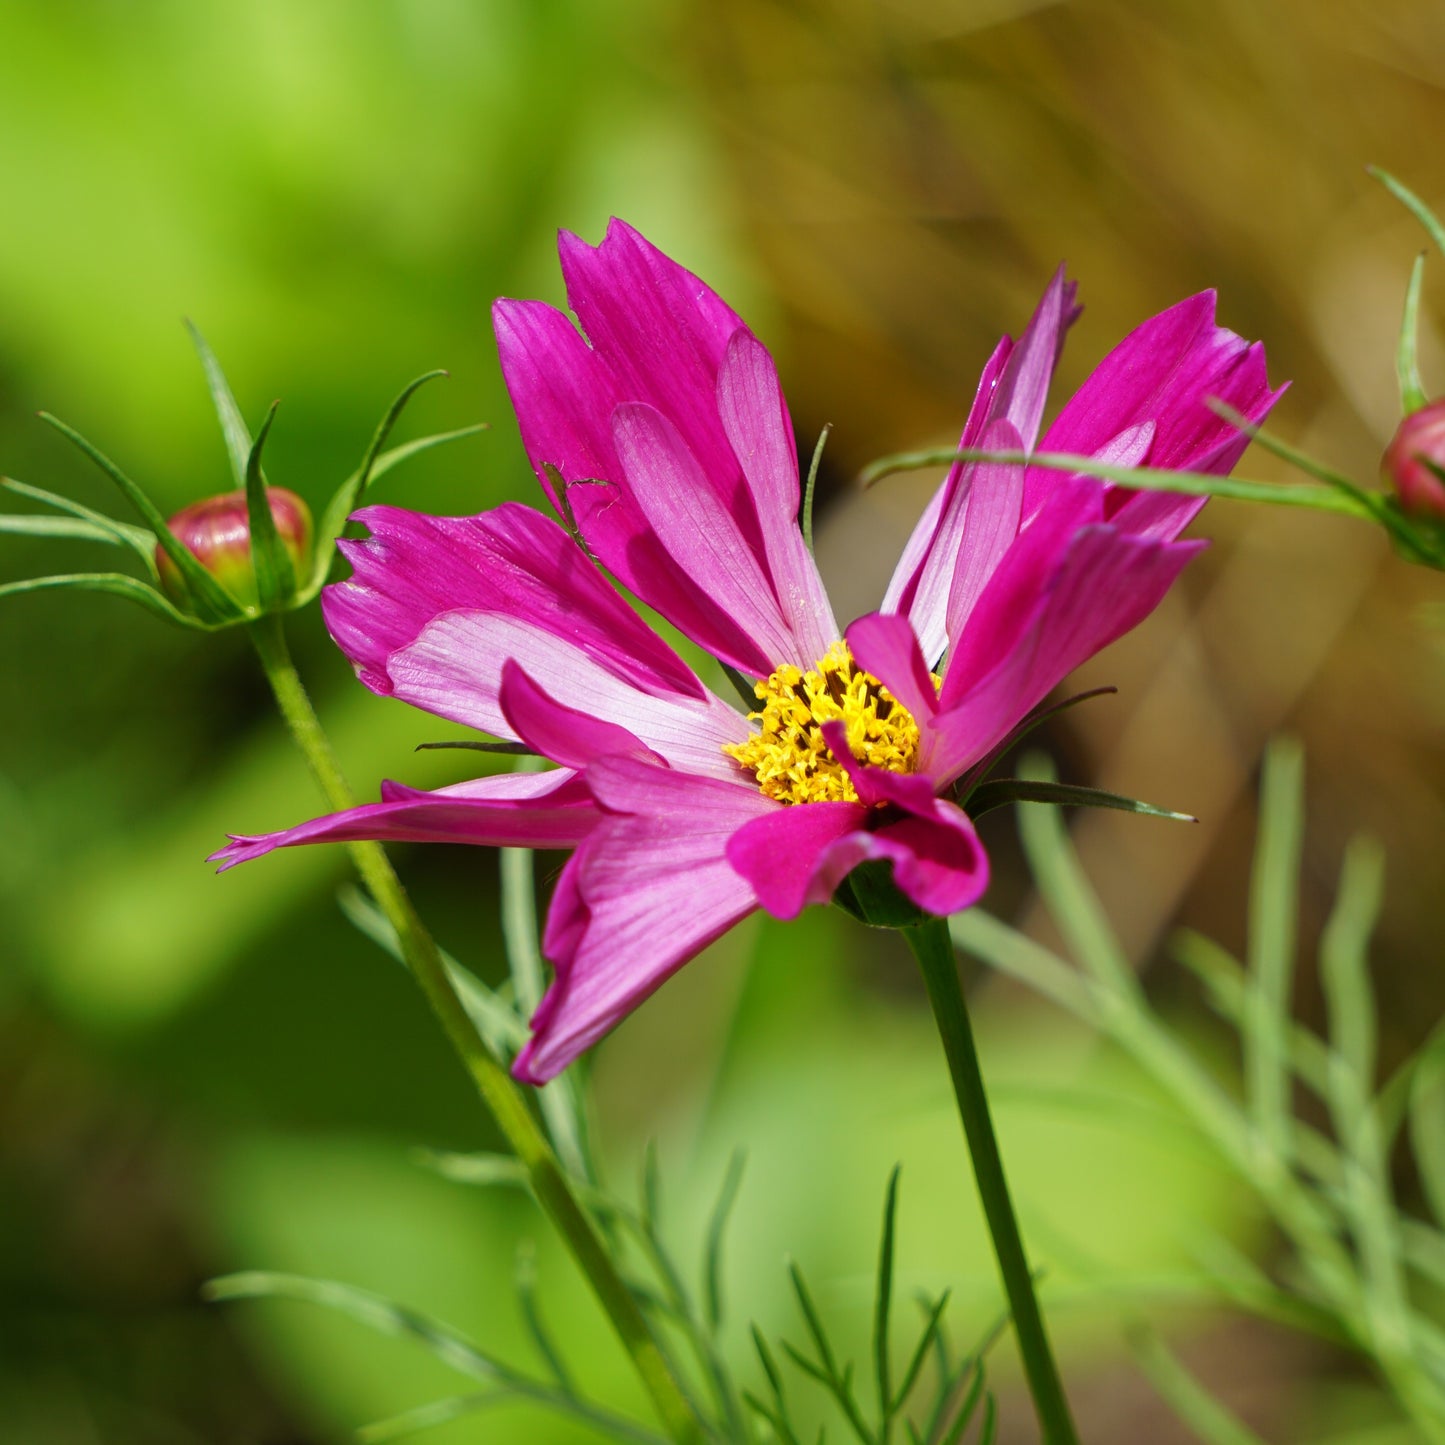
501 1096
933 948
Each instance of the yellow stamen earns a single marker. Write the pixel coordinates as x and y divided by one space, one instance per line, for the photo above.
788 754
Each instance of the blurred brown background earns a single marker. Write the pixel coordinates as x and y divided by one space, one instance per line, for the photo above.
336 193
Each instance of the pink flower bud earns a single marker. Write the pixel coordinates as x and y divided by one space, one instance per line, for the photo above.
1417 445
217 532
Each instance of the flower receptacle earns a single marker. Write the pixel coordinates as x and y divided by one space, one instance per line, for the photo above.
217 532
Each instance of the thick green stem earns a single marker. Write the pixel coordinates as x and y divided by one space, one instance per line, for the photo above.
501 1096
933 948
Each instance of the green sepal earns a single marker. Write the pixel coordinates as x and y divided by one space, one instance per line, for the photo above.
871 896
477 745
1407 353
275 576
348 495
120 584
106 529
212 602
998 792
233 424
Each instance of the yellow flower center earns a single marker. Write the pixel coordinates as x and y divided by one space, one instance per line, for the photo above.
789 755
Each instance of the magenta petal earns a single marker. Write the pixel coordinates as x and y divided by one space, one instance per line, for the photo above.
531 810
564 394
649 889
567 735
785 855
755 417
1106 583
454 669
878 786
697 529
1024 386
990 524
885 645
414 568
799 855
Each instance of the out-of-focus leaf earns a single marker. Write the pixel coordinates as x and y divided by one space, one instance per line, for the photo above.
1427 1130
713 1243
1189 1400
1274 888
481 1168
883 1304
1413 204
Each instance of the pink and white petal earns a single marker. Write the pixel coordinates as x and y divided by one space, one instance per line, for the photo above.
928 611
662 332
555 811
569 736
440 672
799 855
656 888
1006 611
699 533
755 417
1106 585
885 645
788 856
414 568
990 525
903 585
564 395
1023 389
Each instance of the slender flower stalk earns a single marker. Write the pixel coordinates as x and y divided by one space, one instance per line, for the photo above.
501 1096
933 948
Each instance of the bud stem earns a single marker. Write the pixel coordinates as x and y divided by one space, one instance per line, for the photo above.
933 948
501 1096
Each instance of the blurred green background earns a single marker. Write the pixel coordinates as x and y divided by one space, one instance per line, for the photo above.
201 1074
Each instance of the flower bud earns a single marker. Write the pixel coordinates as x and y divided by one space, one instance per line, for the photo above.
1418 445
217 532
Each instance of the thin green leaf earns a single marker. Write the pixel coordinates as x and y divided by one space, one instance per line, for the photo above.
525 1280
427 1417
233 424
933 1317
119 584
73 528
519 927
774 1416
142 542
1413 204
373 1310
744 689
481 1168
650 1189
807 512
976 1375
1071 900
1034 720
712 1249
1189 1400
1227 986
813 1320
1274 888
1344 959
346 498
883 1303
770 1365
1392 1103
1407 353
999 792
504 1031
1153 479
1427 1130
988 1431
478 745
275 576
213 603
984 937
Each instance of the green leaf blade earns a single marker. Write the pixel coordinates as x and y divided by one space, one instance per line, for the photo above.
275 576
233 424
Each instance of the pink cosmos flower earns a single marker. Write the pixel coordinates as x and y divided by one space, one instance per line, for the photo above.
666 427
